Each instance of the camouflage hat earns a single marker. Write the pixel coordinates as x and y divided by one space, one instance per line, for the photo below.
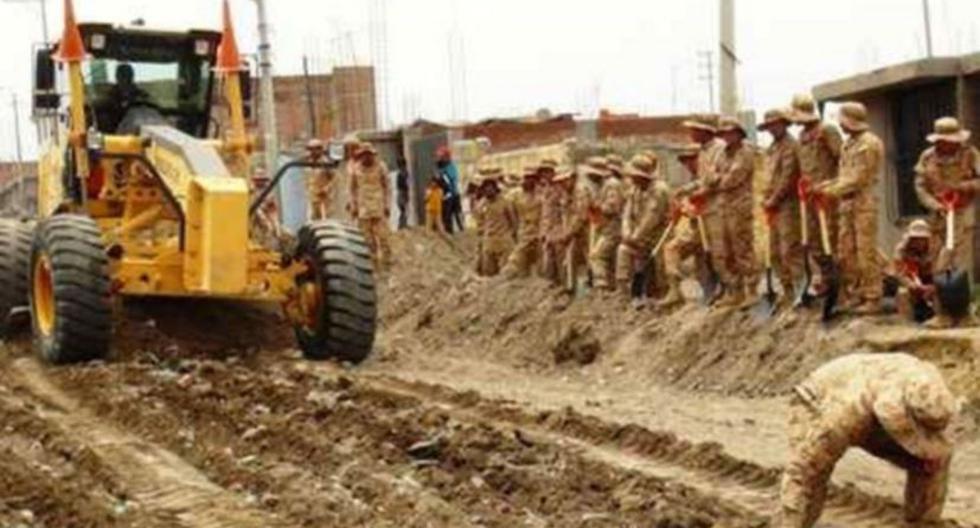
688 151
701 122
615 162
314 144
773 116
729 124
918 229
644 162
854 116
639 170
804 109
512 180
531 171
917 414
948 129
564 175
595 166
489 170
364 148
548 163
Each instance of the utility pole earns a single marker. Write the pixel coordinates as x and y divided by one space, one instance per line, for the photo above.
708 76
267 111
729 60
310 105
928 23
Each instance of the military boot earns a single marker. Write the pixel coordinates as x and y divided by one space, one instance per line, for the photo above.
751 295
734 297
674 296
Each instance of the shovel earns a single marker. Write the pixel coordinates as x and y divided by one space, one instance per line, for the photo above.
641 274
829 268
711 287
767 305
952 284
803 295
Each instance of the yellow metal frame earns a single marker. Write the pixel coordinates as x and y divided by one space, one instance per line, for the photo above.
42 287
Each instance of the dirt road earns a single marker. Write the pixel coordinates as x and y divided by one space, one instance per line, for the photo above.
486 405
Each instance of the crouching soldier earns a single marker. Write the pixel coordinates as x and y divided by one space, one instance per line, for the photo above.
893 406
913 273
647 209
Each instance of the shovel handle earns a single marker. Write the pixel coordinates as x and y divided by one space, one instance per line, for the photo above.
703 232
824 232
950 228
804 224
663 238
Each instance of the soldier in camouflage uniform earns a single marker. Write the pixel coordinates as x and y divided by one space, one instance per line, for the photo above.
369 201
320 184
526 203
731 183
950 165
819 152
582 218
647 209
893 406
855 191
780 199
685 243
552 203
607 213
498 225
913 270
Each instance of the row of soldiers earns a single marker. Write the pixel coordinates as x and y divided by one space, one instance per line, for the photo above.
605 218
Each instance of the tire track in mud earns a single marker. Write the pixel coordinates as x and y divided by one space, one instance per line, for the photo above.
703 466
337 431
156 478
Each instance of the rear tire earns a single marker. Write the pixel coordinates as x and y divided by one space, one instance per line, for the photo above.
69 295
15 254
342 325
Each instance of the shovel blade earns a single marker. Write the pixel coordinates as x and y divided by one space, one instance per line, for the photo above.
711 288
766 307
639 285
953 291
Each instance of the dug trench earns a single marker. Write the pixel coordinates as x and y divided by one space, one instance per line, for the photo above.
487 403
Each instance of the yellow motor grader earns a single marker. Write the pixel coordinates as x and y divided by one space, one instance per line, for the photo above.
144 189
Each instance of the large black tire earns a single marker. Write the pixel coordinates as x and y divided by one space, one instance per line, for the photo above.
343 327
71 312
15 254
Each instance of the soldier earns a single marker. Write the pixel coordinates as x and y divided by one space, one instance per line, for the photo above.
526 202
913 272
820 148
320 184
369 202
647 207
949 168
558 233
552 197
731 182
780 199
498 226
893 406
609 215
583 218
685 243
854 190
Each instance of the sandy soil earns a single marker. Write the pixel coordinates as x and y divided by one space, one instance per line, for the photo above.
486 404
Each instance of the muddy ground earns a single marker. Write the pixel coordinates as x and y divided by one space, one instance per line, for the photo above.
486 404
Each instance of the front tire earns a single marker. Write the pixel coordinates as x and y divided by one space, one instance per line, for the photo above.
15 254
338 293
71 313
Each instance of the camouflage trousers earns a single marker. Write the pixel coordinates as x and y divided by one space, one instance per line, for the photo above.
603 261
786 246
959 257
552 261
685 244
857 254
732 241
815 451
378 238
523 259
493 256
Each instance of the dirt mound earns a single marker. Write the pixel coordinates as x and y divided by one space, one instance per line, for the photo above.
436 303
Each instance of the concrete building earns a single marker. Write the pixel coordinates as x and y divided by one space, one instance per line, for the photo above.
903 102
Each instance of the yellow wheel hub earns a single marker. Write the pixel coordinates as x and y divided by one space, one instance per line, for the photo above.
43 293
309 302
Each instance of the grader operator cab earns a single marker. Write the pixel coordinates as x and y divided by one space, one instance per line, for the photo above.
143 192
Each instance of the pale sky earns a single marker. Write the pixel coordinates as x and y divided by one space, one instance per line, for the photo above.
522 55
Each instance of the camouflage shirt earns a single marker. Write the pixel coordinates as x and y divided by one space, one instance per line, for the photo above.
783 164
935 173
860 163
369 190
820 149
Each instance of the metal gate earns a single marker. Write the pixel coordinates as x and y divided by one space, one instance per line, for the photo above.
913 112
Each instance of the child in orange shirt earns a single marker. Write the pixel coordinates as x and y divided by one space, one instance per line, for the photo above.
433 206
